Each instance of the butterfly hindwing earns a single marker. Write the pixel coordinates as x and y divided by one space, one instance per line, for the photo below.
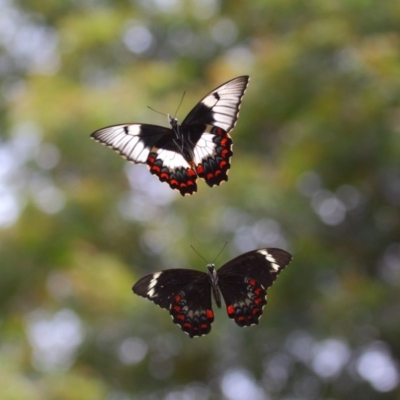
244 297
171 167
244 281
185 293
200 147
191 308
212 155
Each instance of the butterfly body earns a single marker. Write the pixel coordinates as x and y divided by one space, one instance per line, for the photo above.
199 147
213 278
241 282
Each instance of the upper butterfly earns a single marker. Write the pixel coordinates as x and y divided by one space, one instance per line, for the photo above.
200 146
242 281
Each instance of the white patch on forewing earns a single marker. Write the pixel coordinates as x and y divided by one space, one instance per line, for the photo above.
271 259
134 129
129 145
171 159
150 290
205 147
210 100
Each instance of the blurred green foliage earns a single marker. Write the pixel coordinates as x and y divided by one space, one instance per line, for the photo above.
315 170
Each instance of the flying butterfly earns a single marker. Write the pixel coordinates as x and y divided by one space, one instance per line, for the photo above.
243 283
199 147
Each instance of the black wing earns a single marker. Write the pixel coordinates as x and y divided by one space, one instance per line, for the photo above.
185 293
244 281
211 120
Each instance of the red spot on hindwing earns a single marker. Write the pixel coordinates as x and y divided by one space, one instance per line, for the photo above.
164 176
218 131
225 153
151 158
191 173
230 310
177 298
224 142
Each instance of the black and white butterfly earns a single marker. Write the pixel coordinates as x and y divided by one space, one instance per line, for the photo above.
243 283
199 147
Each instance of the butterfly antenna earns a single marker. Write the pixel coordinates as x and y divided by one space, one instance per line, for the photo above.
223 247
180 103
198 253
158 112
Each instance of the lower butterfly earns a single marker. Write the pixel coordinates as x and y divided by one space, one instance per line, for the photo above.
199 147
243 283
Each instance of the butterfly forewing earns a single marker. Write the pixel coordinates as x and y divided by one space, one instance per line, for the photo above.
201 146
185 293
220 107
132 141
244 281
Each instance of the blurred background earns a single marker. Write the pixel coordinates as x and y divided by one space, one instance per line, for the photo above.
315 171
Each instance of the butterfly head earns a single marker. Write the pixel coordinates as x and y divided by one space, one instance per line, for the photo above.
173 122
211 269
212 273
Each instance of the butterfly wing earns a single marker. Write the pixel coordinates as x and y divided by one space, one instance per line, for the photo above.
209 124
171 167
132 141
152 145
221 106
185 293
244 281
